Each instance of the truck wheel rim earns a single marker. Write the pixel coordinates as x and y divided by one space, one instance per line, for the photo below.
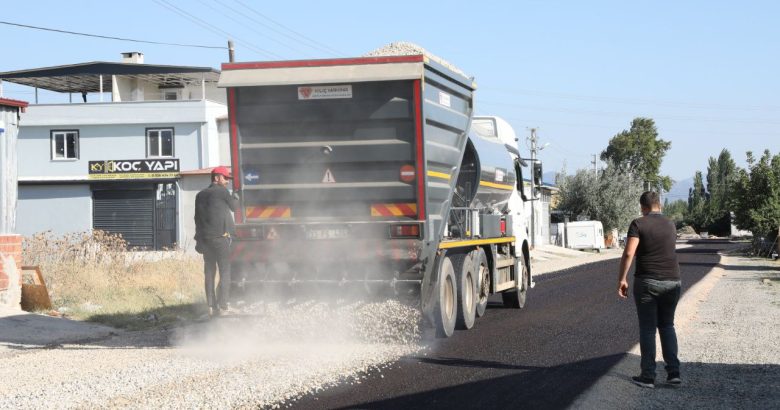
484 289
468 298
449 297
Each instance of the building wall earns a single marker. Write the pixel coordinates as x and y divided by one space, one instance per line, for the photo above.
118 131
9 121
541 209
189 186
100 142
57 208
130 89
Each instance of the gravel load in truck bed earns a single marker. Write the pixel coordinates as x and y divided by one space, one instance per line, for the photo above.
402 48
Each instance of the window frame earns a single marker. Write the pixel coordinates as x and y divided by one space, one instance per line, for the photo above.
159 146
53 144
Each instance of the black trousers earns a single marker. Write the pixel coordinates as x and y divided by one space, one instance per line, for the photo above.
216 253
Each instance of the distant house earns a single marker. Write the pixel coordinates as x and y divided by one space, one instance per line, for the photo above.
541 207
117 165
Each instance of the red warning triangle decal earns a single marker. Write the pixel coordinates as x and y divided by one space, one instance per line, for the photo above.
328 178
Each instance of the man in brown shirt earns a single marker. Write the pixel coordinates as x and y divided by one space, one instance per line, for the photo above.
652 238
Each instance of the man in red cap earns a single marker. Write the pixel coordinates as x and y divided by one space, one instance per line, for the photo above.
214 229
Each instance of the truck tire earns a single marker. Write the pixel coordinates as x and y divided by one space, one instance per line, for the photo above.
515 299
483 272
445 310
463 264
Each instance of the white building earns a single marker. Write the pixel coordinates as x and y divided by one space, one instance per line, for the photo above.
117 165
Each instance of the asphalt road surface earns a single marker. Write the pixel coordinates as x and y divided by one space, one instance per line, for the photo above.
573 330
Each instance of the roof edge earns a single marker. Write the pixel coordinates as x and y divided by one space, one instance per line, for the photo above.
14 103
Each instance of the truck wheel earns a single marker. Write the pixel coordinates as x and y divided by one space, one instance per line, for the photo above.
484 281
516 298
463 264
446 300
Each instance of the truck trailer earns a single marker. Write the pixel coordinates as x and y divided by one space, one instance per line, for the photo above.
374 172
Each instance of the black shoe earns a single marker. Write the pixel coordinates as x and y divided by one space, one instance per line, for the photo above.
674 378
643 382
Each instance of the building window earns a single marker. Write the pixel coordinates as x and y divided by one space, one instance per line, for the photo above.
64 145
170 95
159 142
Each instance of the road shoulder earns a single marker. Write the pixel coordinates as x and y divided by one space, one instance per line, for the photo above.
727 331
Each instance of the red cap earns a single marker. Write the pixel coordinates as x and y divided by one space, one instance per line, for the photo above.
224 171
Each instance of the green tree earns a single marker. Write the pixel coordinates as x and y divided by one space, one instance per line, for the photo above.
676 211
610 195
756 198
697 197
721 173
640 149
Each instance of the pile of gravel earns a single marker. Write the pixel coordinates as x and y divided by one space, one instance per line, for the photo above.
402 48
270 355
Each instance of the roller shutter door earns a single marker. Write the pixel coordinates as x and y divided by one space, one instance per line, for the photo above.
126 212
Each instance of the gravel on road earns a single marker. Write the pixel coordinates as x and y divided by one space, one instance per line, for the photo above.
263 358
274 353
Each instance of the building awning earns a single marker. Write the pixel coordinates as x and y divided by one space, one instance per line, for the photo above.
85 77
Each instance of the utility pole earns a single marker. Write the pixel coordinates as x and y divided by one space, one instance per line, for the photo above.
594 162
231 52
533 141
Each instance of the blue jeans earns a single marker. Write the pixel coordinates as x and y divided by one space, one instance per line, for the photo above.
656 301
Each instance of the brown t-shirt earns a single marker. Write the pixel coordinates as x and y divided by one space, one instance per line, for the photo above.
655 256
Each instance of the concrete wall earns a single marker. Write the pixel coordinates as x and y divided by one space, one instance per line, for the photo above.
57 208
189 186
541 207
111 113
130 89
100 142
118 131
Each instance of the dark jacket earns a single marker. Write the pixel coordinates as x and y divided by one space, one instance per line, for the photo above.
213 217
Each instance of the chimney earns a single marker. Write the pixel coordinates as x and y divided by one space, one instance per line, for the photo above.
134 57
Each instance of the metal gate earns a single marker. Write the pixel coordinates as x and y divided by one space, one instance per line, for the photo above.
128 212
165 216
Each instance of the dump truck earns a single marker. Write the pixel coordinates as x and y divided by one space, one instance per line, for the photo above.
374 172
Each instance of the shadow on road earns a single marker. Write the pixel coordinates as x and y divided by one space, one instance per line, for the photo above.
508 391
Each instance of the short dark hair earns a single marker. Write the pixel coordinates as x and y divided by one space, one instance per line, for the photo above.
650 199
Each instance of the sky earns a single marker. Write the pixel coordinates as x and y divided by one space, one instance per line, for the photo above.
578 71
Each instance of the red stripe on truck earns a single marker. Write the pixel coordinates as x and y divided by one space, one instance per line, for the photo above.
418 139
323 62
235 169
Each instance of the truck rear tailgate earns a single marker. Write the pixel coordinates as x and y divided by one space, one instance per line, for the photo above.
327 152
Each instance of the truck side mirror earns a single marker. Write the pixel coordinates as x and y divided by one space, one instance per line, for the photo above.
519 172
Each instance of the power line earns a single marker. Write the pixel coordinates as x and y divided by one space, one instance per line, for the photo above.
249 26
312 43
109 37
212 28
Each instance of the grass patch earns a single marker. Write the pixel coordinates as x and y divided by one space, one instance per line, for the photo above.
93 276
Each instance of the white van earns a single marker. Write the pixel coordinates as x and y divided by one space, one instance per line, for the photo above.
583 235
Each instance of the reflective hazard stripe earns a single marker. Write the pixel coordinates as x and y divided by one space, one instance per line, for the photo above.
403 209
268 212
